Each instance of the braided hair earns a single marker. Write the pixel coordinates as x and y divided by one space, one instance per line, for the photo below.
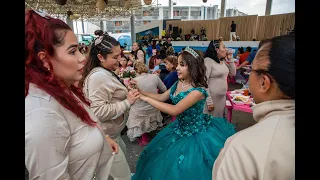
101 45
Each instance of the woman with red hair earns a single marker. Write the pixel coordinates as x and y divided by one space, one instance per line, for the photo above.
151 63
63 138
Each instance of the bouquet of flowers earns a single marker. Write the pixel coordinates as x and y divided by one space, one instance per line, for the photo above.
129 72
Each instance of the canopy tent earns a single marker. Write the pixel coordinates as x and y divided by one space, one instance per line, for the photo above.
86 9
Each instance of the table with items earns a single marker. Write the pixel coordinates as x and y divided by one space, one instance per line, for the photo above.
239 100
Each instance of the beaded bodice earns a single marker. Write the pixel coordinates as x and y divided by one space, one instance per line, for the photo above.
193 119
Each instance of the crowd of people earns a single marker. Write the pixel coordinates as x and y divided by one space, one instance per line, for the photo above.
77 107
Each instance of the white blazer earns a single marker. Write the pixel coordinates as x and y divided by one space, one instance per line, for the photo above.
58 145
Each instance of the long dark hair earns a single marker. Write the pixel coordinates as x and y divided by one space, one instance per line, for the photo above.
196 68
211 50
135 53
102 45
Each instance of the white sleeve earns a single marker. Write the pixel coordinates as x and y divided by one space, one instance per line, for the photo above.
235 162
47 138
232 68
208 73
101 90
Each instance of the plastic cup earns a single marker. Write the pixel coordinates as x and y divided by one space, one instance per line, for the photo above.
246 92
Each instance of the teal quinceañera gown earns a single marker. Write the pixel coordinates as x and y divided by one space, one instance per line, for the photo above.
188 147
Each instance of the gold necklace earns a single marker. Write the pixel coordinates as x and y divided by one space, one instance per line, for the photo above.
183 87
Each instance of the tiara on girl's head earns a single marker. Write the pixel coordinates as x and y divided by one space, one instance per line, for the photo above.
192 52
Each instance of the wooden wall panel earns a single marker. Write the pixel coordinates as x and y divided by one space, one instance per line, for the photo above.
274 25
248 27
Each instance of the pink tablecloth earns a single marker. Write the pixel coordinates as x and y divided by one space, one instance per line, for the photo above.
239 107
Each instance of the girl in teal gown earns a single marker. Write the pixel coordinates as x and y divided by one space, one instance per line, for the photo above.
187 148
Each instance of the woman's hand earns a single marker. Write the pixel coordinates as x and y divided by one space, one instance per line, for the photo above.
133 85
133 95
143 97
113 145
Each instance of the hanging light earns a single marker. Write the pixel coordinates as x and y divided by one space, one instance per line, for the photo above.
90 8
91 12
204 1
78 1
101 4
61 2
127 5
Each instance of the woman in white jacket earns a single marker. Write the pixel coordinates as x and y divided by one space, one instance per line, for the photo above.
110 99
63 138
266 151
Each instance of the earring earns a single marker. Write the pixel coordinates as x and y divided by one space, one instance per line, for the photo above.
48 69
